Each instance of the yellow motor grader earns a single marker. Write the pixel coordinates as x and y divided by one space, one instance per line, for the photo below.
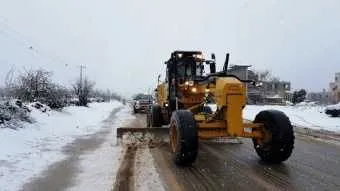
182 102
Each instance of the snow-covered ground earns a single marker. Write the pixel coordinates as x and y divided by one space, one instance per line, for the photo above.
27 152
147 178
309 116
98 168
334 107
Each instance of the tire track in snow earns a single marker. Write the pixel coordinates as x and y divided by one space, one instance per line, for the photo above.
146 176
125 177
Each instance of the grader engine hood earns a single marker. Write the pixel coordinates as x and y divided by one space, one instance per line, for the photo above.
231 98
229 86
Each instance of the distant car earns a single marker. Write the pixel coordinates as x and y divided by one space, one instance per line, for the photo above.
333 110
142 102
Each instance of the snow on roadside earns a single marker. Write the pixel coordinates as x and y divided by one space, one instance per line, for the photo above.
304 116
99 167
28 151
146 174
333 107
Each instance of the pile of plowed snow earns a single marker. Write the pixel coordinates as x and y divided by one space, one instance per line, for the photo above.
27 151
309 116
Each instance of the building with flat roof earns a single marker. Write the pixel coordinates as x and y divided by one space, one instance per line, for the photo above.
271 91
334 89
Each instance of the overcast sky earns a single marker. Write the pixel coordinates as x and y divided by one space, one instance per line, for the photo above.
123 44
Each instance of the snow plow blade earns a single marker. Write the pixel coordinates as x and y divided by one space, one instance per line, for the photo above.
138 135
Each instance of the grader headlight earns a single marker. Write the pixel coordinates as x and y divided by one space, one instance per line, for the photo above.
189 83
200 56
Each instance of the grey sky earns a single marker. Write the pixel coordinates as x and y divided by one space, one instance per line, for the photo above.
124 43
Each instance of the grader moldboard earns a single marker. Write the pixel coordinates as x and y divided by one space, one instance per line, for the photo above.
182 103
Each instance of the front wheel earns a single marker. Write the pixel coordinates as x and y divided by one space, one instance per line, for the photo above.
156 116
148 120
183 137
280 144
135 110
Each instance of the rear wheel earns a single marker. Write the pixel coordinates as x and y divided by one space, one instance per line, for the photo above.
156 116
280 144
183 137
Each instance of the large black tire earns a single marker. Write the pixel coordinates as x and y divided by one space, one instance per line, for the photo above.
135 110
280 146
183 137
148 120
156 116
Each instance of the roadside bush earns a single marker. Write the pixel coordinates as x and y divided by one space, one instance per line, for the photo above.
12 113
36 85
83 89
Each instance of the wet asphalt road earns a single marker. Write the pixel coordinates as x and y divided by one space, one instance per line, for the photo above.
314 165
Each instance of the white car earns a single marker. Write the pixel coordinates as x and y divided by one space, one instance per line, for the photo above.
141 103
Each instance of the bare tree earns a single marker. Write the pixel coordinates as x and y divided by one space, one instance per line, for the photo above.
2 93
275 79
37 85
83 89
9 83
106 95
33 85
264 75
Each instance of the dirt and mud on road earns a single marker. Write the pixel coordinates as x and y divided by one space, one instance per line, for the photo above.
314 165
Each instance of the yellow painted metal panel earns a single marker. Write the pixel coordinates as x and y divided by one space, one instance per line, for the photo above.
233 114
228 86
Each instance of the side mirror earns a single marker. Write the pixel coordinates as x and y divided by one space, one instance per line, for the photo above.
226 62
213 56
212 67
158 79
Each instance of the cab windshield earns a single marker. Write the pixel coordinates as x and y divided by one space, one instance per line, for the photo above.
190 68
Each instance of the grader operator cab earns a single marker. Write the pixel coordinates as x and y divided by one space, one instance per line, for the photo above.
184 69
182 104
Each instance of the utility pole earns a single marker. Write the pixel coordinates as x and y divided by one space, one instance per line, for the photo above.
82 67
80 90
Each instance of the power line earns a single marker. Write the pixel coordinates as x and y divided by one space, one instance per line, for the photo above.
22 40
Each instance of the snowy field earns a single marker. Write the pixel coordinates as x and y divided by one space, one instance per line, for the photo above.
27 152
313 117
